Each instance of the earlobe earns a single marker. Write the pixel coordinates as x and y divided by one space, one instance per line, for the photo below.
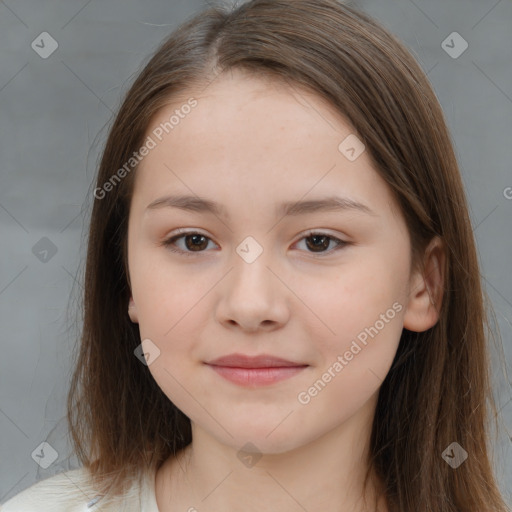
132 311
426 290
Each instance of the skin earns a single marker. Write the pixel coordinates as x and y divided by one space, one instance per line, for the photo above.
251 144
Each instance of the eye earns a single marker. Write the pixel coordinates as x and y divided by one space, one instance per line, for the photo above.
196 242
317 241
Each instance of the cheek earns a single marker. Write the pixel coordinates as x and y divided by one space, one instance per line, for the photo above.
166 296
357 314
367 324
173 313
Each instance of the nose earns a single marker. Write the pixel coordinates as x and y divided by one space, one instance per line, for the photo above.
253 297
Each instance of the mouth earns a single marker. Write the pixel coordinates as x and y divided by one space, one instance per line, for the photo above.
254 371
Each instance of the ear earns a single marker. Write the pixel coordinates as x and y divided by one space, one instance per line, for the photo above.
426 290
132 311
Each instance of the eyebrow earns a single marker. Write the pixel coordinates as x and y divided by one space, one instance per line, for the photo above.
203 205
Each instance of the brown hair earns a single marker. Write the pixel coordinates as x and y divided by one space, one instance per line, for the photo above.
437 389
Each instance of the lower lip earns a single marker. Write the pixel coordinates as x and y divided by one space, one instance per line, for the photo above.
257 376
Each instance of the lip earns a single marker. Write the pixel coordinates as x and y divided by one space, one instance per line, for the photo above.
252 371
260 361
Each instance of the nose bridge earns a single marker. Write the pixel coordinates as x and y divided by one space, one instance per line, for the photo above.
252 295
251 261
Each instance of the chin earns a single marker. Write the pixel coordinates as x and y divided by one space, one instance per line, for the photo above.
263 439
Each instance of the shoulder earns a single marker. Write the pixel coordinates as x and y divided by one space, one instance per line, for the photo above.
70 491
65 491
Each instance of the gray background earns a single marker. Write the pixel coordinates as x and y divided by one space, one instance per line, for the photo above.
53 120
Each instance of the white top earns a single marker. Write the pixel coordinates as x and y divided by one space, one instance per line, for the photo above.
71 491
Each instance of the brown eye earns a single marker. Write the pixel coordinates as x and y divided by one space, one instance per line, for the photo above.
318 242
194 242
197 242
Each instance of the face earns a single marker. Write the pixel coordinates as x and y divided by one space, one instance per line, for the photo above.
323 288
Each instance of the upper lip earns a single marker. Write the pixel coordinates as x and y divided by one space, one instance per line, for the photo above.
244 361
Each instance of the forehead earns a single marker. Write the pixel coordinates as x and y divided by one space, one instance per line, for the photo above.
256 139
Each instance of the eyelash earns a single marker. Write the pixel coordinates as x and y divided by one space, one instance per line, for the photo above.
170 241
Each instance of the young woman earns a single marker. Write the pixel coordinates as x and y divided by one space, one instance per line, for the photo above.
283 308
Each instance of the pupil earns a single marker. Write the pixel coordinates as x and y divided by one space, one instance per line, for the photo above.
324 241
195 238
